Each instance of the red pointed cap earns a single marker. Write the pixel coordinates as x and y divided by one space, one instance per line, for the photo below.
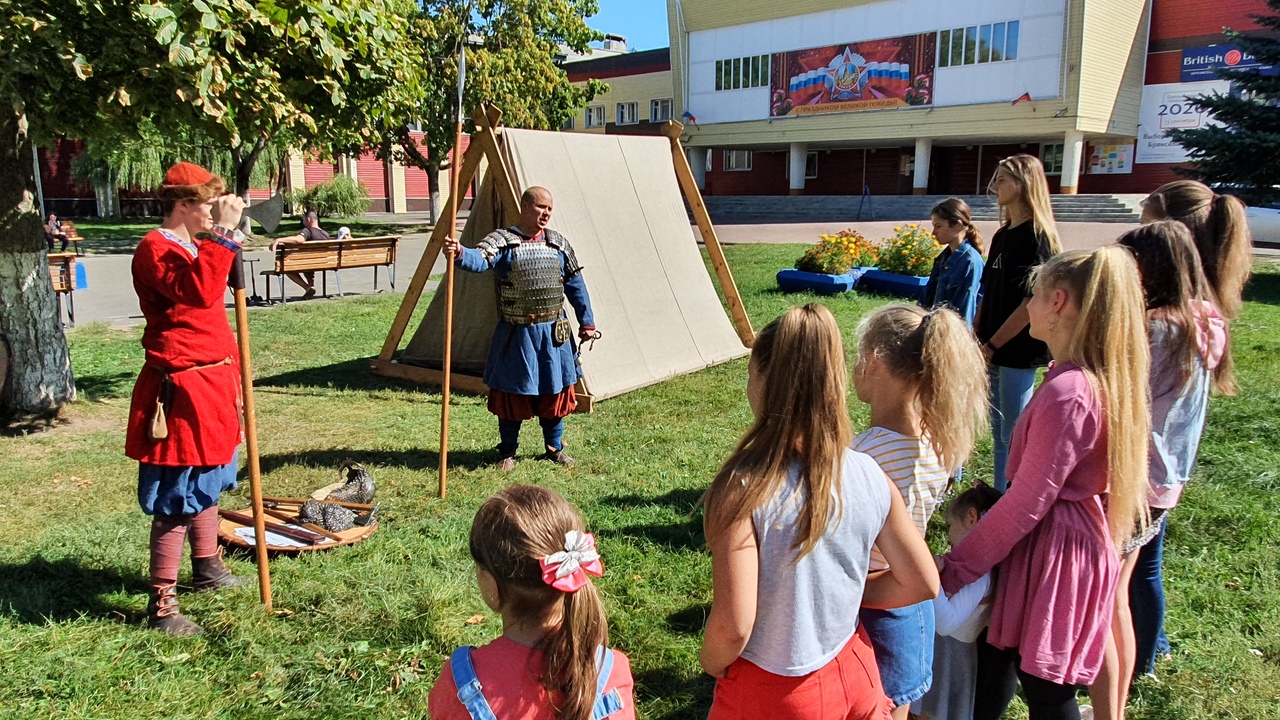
185 173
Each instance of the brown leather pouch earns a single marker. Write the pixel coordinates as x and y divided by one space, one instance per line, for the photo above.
159 429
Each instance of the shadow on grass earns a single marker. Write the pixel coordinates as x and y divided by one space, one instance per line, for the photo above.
1263 288
416 460
682 500
693 693
105 386
690 620
39 591
347 375
684 532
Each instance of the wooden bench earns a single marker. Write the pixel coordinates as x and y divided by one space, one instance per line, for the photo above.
335 255
73 236
62 272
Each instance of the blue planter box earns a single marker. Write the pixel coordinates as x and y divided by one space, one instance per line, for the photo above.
791 280
907 286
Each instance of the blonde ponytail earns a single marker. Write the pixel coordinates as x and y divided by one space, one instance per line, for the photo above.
938 352
1110 345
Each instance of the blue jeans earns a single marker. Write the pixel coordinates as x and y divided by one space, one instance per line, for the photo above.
1010 392
1146 602
903 642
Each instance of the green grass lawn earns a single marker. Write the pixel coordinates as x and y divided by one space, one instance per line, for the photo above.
116 236
363 631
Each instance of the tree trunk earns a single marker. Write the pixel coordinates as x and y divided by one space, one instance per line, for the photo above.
243 167
433 183
37 380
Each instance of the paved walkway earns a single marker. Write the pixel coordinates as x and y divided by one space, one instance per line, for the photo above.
110 297
1074 235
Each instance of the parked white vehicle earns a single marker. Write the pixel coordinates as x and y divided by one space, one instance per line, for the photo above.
1264 224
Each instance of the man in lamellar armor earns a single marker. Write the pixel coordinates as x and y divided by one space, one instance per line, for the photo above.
533 362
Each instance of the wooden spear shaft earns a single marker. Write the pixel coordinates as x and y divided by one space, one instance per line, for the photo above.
455 172
450 261
251 432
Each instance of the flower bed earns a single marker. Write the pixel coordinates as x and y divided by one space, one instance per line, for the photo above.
833 265
903 263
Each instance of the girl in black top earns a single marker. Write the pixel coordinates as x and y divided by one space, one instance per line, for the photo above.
1027 237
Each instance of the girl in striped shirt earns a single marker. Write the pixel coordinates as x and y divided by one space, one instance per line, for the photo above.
925 379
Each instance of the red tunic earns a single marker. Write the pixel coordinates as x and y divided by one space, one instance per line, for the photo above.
181 299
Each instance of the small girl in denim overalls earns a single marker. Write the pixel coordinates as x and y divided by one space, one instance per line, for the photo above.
552 661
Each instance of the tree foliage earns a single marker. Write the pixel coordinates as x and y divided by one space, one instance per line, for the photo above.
512 47
1241 152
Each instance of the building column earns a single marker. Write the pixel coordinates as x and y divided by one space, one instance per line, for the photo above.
924 155
797 159
1072 151
698 163
398 196
297 171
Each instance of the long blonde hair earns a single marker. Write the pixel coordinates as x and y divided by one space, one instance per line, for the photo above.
1110 344
799 358
1027 173
511 532
1220 228
938 354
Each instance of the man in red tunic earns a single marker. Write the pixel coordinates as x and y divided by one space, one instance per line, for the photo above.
184 418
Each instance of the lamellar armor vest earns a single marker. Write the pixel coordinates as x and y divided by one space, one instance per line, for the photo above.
533 290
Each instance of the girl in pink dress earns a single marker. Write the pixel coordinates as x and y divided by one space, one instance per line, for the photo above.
1078 488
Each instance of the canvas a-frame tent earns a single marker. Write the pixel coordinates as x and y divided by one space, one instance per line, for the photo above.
618 201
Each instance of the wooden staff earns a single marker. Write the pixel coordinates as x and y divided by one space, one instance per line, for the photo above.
236 281
450 259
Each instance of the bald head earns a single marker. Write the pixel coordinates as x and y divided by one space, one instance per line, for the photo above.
535 210
533 194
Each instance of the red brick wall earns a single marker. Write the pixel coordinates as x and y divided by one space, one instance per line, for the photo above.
1188 19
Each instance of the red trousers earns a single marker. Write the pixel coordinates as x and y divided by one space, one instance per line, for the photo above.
847 688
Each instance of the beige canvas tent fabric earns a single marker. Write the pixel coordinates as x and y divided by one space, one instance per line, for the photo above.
619 204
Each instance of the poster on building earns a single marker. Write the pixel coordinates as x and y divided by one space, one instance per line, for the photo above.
867 75
1202 63
1166 107
1111 159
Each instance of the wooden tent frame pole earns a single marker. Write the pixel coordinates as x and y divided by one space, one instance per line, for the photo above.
684 174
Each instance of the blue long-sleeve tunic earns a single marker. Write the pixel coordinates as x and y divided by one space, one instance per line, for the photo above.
524 359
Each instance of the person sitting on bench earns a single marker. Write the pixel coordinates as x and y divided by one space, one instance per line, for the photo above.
311 231
53 231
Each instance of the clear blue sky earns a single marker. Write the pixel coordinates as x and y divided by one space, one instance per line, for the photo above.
642 22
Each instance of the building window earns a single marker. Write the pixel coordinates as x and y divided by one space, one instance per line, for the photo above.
568 124
810 166
710 152
594 117
743 72
1051 156
660 110
626 114
978 44
735 160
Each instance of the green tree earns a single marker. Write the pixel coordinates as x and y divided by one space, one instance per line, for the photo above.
322 73
1241 152
138 159
512 51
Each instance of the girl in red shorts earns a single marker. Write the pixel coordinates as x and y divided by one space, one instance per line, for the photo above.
790 521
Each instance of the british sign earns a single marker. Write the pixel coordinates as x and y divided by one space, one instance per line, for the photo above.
1200 64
